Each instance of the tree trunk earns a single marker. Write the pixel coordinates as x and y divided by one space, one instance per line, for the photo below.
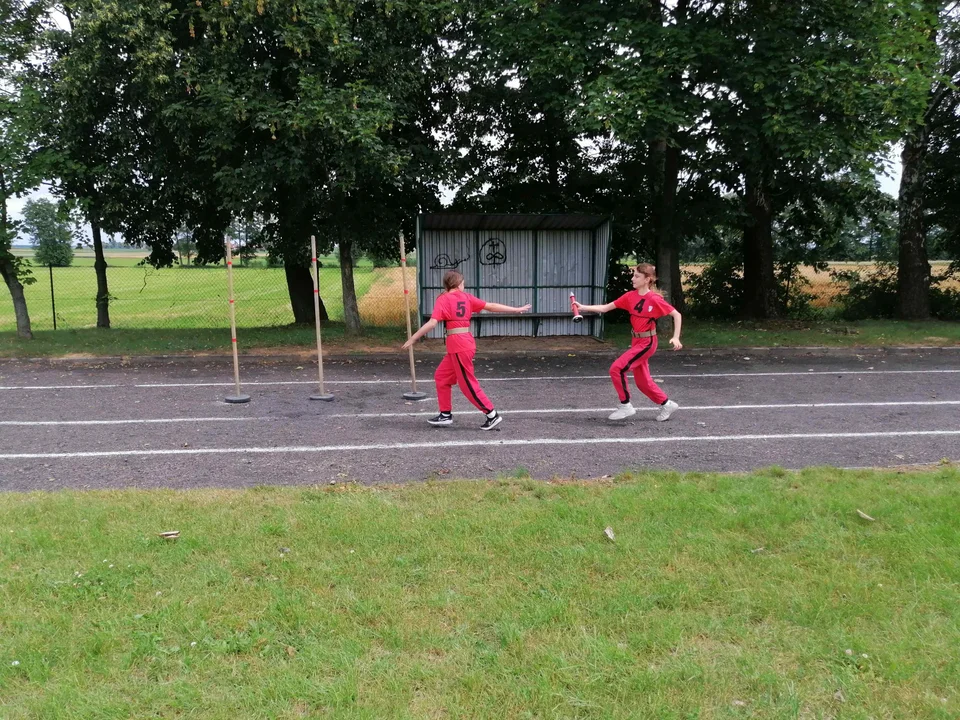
665 170
300 289
8 268
913 268
100 266
759 280
9 273
351 312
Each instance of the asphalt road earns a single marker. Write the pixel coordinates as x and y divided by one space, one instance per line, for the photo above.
164 424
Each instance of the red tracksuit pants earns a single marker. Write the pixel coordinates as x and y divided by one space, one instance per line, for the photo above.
457 369
636 360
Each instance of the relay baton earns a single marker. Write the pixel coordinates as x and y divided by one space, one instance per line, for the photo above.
577 317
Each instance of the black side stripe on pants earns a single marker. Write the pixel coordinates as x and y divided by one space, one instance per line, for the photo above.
473 392
623 372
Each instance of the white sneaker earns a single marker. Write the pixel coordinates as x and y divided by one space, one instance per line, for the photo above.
623 412
666 410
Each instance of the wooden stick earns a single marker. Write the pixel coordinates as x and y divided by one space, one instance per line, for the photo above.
322 394
414 394
238 397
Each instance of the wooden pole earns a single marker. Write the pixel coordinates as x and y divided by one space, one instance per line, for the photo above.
413 393
53 299
321 393
237 397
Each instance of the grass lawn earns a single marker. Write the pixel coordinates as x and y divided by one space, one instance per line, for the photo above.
723 596
175 298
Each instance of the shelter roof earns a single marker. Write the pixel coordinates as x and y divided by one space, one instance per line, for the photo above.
493 221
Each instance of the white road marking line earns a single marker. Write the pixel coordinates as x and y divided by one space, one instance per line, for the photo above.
477 443
514 378
516 411
136 421
656 408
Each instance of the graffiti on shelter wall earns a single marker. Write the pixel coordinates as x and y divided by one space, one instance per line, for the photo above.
442 261
493 252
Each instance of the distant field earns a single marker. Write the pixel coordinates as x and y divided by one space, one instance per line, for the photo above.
133 257
822 285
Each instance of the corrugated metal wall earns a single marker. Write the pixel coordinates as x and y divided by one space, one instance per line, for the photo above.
515 267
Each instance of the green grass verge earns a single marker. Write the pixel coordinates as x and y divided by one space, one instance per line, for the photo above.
50 343
723 596
792 333
696 335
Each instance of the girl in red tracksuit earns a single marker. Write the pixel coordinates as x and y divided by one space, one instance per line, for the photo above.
454 308
644 307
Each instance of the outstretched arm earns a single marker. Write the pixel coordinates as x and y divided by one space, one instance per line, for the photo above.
497 307
594 308
424 329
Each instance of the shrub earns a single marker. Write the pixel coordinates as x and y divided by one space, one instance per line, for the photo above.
873 294
718 291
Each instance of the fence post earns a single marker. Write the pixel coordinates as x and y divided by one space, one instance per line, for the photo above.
53 299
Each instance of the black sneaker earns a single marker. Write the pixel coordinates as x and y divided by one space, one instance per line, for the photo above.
442 419
492 422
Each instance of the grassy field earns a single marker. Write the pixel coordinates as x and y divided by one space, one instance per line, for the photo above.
186 298
723 596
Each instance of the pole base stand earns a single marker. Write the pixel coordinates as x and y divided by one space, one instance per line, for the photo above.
414 395
326 397
237 399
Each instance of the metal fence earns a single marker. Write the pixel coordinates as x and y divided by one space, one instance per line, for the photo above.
196 297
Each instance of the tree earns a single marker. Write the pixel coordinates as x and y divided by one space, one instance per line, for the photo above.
49 230
22 161
185 246
803 89
277 111
646 95
924 159
520 71
95 123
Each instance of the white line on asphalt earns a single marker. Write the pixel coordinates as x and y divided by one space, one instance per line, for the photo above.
656 408
459 445
519 377
134 421
517 411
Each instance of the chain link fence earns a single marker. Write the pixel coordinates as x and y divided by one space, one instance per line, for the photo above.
196 297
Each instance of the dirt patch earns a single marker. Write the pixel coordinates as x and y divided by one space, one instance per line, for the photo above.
383 304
